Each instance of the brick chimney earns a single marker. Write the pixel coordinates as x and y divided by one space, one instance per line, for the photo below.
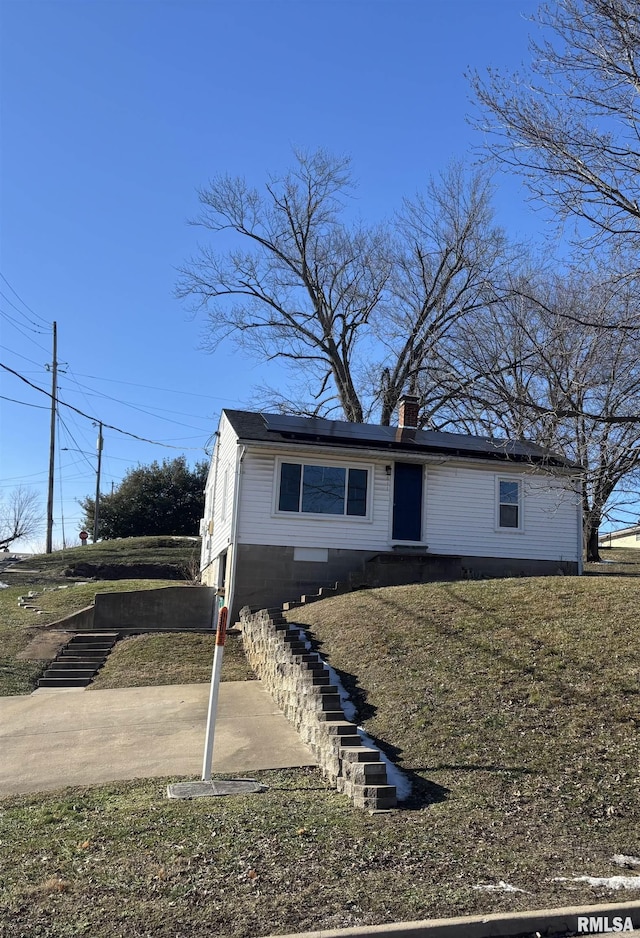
408 412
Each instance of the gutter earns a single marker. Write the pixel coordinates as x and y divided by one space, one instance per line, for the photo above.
580 533
241 450
283 447
213 501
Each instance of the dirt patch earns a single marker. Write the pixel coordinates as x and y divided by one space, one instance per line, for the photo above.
44 645
126 571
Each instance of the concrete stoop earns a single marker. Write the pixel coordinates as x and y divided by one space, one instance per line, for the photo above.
298 680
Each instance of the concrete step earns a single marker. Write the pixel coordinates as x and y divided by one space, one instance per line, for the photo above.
375 797
79 661
81 656
309 658
99 640
62 664
64 682
320 690
330 716
359 754
339 728
315 679
89 646
98 634
327 702
347 742
65 674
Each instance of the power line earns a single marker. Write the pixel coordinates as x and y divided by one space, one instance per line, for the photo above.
20 329
16 294
34 325
13 352
24 403
109 426
150 413
151 387
73 440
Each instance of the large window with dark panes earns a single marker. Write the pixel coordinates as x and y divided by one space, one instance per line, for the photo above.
323 490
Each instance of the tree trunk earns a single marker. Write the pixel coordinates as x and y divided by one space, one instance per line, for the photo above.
591 541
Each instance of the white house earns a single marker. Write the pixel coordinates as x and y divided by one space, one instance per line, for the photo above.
623 537
295 503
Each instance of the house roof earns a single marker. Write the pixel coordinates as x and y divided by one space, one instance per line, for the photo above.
291 430
621 532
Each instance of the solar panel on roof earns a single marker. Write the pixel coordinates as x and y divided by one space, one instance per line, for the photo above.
329 429
320 428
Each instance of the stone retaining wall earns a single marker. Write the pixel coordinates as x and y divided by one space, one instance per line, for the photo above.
298 680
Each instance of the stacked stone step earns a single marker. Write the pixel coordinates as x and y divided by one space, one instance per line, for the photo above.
307 598
300 683
78 662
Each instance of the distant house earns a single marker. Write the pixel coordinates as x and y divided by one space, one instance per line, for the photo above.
625 537
295 503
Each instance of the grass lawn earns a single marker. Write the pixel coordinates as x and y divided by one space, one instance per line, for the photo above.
512 704
144 660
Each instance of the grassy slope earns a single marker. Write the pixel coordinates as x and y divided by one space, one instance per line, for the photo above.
145 660
178 550
514 706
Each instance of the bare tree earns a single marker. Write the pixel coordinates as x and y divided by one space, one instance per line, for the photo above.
534 373
20 516
305 286
449 261
360 313
571 124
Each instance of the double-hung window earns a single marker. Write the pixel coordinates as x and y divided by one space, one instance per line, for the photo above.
323 490
509 507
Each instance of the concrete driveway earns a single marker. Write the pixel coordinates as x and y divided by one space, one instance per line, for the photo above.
51 739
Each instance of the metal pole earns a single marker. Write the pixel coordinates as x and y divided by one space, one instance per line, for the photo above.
52 439
97 504
213 695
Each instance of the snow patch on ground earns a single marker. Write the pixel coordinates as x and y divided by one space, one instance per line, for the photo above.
348 707
608 882
500 886
620 859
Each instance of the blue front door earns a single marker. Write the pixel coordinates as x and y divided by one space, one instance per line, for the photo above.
407 502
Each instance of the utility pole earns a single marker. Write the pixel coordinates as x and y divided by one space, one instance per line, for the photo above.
97 505
52 437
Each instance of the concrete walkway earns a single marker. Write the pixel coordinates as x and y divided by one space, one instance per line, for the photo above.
51 739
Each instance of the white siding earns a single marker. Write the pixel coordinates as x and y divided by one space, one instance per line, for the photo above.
620 540
219 499
461 515
260 524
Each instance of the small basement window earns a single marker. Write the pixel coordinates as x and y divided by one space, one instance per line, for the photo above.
510 504
323 490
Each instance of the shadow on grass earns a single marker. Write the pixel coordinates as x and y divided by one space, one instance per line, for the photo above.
462 767
634 574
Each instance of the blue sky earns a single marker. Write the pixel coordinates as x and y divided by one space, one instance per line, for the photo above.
113 112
